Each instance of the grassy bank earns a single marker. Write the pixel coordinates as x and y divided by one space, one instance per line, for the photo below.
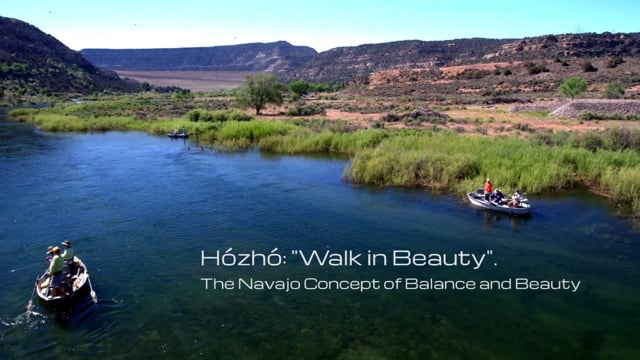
439 160
460 163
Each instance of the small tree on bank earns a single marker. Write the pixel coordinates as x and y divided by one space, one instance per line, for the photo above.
258 91
613 91
573 86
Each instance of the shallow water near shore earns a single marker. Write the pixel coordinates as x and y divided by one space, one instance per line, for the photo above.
141 210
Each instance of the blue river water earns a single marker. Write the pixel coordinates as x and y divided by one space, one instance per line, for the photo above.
152 217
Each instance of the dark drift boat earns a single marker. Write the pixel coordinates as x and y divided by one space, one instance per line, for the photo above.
477 199
75 284
176 135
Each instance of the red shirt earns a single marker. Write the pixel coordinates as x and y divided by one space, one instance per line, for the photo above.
487 188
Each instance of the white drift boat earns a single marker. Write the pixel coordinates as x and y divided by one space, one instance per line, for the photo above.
477 199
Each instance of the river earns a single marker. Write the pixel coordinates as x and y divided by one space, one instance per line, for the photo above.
157 222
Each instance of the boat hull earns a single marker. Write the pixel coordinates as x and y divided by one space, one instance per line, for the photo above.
76 285
178 136
477 199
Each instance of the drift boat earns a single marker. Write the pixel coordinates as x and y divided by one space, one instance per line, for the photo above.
73 282
477 199
178 135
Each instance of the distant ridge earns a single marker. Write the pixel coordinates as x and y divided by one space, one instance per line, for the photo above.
357 62
32 62
276 57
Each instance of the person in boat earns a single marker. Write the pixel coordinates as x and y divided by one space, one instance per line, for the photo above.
67 256
515 199
497 196
55 272
487 189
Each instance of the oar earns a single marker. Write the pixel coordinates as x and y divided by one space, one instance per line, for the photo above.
30 303
93 293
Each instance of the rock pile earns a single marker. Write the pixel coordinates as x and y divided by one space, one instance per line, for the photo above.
574 108
551 106
571 109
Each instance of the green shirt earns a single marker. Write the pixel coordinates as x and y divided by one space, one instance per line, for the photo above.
67 254
56 264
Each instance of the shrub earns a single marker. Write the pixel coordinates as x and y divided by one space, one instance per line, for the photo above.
613 91
469 74
533 68
590 141
217 115
183 94
299 87
614 61
305 109
594 115
618 139
587 66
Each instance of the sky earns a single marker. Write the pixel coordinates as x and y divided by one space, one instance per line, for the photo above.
322 25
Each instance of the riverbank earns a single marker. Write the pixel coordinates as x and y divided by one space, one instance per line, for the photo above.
605 162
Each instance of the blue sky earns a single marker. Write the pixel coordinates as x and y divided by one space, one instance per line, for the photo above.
319 24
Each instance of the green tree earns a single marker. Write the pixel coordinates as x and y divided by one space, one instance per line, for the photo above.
259 90
613 91
573 86
299 87
145 86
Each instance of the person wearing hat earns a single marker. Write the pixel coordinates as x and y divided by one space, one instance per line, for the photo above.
516 199
497 196
55 272
67 256
487 189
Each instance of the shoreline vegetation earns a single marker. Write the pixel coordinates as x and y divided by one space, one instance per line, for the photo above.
607 162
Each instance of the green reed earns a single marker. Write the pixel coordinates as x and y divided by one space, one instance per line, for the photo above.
439 160
462 163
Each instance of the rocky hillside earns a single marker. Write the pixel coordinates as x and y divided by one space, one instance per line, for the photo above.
358 62
350 63
34 63
276 57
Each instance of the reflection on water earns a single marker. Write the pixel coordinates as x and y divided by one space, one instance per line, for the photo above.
139 210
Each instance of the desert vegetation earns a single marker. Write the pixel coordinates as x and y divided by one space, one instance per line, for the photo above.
439 145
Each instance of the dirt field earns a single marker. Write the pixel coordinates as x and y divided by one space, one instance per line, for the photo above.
490 120
192 80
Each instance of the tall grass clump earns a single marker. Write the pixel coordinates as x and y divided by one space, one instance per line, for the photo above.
303 140
252 131
412 159
461 163
55 122
23 114
196 115
624 186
